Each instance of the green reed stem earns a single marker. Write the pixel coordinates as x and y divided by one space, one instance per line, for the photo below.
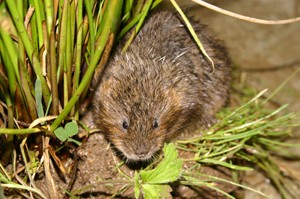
78 51
49 14
144 13
135 20
89 9
18 21
112 15
9 51
39 20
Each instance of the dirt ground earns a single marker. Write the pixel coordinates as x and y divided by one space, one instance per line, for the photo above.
256 50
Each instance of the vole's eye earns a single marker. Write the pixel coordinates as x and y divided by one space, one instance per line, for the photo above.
155 124
125 125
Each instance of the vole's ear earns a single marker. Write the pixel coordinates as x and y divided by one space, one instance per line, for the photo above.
174 98
172 104
105 88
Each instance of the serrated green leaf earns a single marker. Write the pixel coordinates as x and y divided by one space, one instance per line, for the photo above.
63 134
156 191
168 170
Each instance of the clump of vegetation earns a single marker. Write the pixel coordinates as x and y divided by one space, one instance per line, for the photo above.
49 51
244 139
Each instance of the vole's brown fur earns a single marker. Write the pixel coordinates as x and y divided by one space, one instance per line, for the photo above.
160 86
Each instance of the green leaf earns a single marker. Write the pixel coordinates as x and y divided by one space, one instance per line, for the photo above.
156 191
153 181
38 97
193 33
168 170
60 134
63 134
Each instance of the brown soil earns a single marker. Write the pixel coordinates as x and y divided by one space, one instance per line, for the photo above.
98 176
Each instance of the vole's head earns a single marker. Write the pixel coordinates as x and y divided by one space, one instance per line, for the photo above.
137 112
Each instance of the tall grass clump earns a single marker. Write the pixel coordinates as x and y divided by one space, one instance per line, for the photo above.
49 53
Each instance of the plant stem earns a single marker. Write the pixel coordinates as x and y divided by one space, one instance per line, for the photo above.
11 131
135 20
91 26
18 21
78 51
139 25
112 16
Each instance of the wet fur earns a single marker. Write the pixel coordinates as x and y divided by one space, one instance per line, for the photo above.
163 76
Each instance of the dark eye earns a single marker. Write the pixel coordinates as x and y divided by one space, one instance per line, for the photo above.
125 125
155 124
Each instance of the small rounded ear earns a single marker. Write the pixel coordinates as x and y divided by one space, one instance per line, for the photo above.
174 98
171 110
108 88
105 87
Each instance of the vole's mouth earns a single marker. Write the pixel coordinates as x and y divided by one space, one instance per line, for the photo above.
147 156
140 156
137 153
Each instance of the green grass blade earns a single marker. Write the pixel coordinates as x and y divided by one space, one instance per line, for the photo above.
191 181
49 14
225 164
78 51
38 98
91 27
281 86
193 33
139 25
11 131
39 20
135 20
10 47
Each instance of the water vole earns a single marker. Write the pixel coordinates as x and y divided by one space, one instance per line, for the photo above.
160 86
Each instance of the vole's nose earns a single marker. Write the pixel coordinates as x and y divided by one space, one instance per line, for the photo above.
141 151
